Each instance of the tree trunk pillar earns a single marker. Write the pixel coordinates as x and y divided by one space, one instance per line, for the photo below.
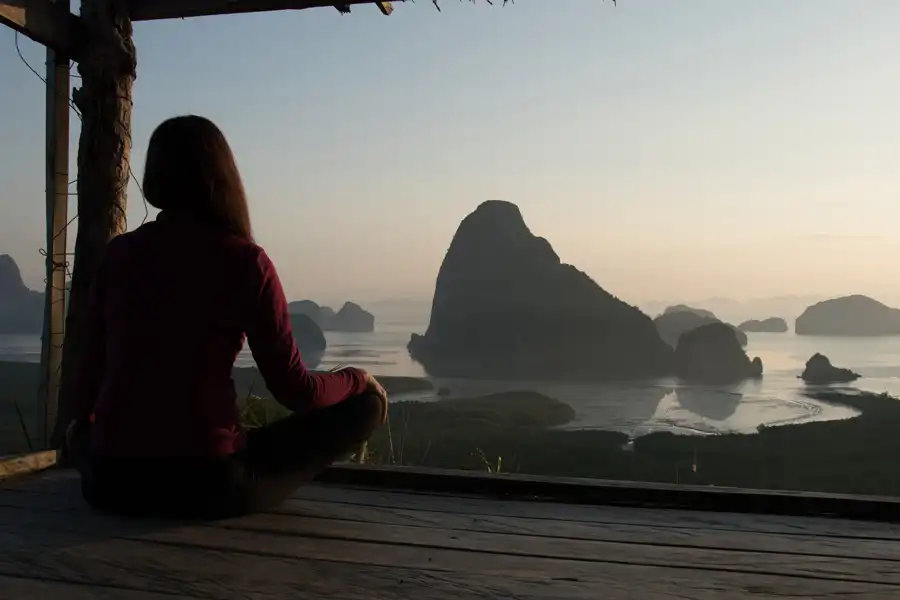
108 70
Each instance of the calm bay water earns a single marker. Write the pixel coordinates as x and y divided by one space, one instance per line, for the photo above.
635 408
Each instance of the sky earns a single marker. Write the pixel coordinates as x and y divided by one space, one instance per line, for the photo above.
672 150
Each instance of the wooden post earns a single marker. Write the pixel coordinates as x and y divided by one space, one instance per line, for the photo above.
108 70
57 201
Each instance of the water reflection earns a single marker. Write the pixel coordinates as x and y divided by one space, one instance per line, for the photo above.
709 403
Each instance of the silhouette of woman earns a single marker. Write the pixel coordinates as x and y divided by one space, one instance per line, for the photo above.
156 427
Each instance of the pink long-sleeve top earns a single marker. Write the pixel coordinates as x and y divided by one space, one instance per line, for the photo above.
170 309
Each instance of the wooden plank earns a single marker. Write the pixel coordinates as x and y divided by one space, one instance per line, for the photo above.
626 493
328 539
669 518
610 528
608 532
60 490
26 464
150 10
222 564
46 23
23 587
788 564
57 211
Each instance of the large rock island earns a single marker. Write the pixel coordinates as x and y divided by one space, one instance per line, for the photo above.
506 307
712 354
21 309
680 318
849 316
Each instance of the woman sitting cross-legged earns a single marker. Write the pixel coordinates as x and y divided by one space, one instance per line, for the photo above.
156 429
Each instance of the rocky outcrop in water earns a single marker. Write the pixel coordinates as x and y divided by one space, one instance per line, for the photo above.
506 307
678 319
351 316
820 371
770 325
849 316
712 354
309 338
21 309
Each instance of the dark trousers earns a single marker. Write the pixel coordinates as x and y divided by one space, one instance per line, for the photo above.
276 460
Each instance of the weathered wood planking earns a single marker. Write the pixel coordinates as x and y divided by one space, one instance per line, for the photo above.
682 519
478 506
26 589
352 543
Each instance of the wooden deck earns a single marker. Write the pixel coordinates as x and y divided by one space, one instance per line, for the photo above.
354 543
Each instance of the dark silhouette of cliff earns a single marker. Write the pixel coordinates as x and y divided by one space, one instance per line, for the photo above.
849 316
770 325
678 319
21 309
505 307
712 354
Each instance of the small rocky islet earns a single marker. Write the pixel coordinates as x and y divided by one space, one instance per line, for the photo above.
770 325
820 371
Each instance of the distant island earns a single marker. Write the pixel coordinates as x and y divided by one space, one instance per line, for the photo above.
680 318
770 325
21 309
506 307
855 315
351 317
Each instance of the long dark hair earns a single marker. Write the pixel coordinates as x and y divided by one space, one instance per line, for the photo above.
191 172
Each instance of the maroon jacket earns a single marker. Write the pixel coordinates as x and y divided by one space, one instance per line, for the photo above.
169 310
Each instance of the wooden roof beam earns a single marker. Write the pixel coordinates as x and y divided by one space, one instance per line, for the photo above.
46 23
153 10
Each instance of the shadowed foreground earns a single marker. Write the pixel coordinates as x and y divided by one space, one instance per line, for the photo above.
354 543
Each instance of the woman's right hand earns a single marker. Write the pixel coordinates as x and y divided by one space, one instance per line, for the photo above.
373 387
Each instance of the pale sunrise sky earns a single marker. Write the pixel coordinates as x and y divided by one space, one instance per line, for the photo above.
671 149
